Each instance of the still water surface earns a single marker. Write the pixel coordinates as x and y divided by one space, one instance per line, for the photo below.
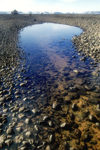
50 46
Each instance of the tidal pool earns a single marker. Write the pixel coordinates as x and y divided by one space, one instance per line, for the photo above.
52 99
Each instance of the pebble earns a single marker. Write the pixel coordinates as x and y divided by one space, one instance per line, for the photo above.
27 121
50 138
67 99
10 130
54 105
28 134
21 109
8 142
18 129
36 127
92 118
74 107
76 71
98 107
97 124
2 99
2 139
34 111
50 123
63 125
24 99
45 118
48 147
20 116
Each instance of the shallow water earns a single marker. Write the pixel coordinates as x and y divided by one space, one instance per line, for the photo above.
51 77
49 46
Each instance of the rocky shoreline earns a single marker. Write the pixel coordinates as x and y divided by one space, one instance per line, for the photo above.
58 112
88 41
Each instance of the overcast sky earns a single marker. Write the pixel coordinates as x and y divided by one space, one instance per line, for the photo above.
50 5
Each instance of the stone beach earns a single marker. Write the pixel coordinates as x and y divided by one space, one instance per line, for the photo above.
60 111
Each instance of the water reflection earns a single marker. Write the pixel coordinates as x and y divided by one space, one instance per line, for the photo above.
51 99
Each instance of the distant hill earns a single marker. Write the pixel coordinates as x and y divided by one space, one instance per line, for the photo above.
92 12
4 12
58 13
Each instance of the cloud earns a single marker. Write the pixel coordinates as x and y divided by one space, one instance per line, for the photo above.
50 5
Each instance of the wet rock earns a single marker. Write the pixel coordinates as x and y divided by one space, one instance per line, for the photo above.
77 133
8 142
54 105
63 125
98 107
50 138
19 139
73 95
36 127
76 71
72 116
21 115
24 99
10 130
45 118
92 118
23 84
2 99
95 73
27 121
5 110
50 123
48 147
86 137
67 99
28 134
94 100
89 87
21 109
83 115
74 107
97 124
18 129
73 89
2 139
34 111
